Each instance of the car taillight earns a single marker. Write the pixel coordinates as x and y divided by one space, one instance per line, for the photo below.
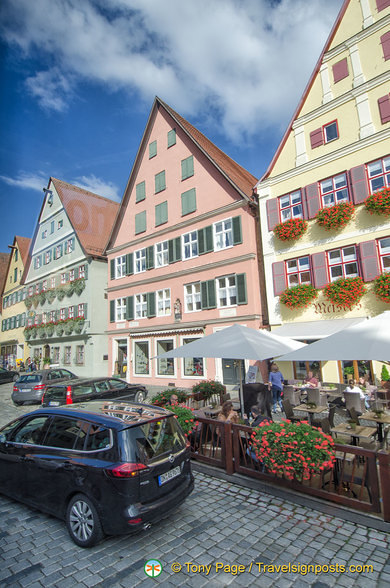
39 387
69 395
15 388
43 398
126 470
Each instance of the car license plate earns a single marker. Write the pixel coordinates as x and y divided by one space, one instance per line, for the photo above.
54 403
164 478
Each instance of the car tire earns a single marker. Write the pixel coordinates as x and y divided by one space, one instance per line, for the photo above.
139 396
83 522
17 403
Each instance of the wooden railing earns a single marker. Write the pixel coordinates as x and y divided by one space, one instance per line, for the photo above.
360 478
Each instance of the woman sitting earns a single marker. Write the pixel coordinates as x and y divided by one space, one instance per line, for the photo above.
227 414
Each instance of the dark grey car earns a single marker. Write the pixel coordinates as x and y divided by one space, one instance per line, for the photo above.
30 387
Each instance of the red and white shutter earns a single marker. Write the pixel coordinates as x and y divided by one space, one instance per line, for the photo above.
357 176
279 277
369 260
382 4
319 269
312 200
385 42
316 138
272 207
384 108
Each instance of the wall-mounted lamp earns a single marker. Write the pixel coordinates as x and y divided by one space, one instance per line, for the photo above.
49 194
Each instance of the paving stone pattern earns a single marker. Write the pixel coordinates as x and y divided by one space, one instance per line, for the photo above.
219 526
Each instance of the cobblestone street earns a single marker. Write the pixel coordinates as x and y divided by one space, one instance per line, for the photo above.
221 525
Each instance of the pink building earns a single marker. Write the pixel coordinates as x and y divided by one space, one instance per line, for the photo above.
183 255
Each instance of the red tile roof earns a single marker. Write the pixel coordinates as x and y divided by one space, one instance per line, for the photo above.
92 216
237 175
24 246
4 261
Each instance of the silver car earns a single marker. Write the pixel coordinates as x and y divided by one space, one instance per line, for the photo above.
30 387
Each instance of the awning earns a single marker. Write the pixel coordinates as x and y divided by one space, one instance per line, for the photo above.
315 329
162 331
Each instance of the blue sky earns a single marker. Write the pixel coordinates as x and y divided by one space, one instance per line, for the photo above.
78 79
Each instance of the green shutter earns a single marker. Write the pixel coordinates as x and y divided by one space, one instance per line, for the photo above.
159 182
174 250
152 149
187 167
140 222
205 240
129 264
150 257
112 311
237 232
23 320
241 289
151 304
208 294
130 308
161 211
85 310
112 269
188 202
171 137
140 192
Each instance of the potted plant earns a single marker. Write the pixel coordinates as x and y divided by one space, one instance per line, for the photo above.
185 418
379 202
79 285
68 326
385 376
35 300
50 329
60 328
79 324
207 388
345 292
162 398
50 295
46 363
293 450
42 297
291 229
382 287
28 302
60 292
298 296
335 217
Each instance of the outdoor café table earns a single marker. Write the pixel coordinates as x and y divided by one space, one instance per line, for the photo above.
380 420
359 432
310 411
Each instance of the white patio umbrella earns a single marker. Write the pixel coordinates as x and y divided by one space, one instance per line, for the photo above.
236 342
368 340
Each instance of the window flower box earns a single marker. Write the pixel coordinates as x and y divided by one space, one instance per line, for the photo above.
382 287
291 230
379 202
298 296
293 450
345 292
335 217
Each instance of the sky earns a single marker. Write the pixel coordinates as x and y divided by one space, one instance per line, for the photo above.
78 79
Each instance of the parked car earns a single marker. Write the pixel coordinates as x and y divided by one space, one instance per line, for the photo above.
8 376
83 389
105 467
31 386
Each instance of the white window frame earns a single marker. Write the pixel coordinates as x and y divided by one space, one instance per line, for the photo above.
192 296
63 278
141 342
160 362
379 171
227 291
290 206
70 312
120 310
189 243
342 262
53 282
196 373
163 302
80 354
384 254
223 237
338 192
82 271
140 306
120 267
71 275
161 254
67 355
62 314
301 268
140 261
81 309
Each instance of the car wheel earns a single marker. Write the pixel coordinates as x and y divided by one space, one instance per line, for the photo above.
83 522
139 396
17 403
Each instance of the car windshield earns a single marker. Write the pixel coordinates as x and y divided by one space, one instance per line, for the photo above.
152 440
33 378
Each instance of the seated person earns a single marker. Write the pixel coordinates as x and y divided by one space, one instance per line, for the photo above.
257 417
352 387
227 413
310 381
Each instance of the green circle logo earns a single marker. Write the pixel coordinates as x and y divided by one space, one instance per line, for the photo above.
153 568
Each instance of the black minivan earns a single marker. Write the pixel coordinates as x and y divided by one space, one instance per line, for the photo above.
105 467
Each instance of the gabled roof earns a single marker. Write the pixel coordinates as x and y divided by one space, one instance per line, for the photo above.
93 227
24 246
4 262
239 178
307 89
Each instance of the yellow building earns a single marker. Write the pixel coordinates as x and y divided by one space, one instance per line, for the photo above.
333 156
13 347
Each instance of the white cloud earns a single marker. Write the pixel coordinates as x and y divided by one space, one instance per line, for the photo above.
242 64
98 186
27 181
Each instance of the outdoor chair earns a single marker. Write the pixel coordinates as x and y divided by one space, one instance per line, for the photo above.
289 393
353 400
314 396
353 414
288 411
